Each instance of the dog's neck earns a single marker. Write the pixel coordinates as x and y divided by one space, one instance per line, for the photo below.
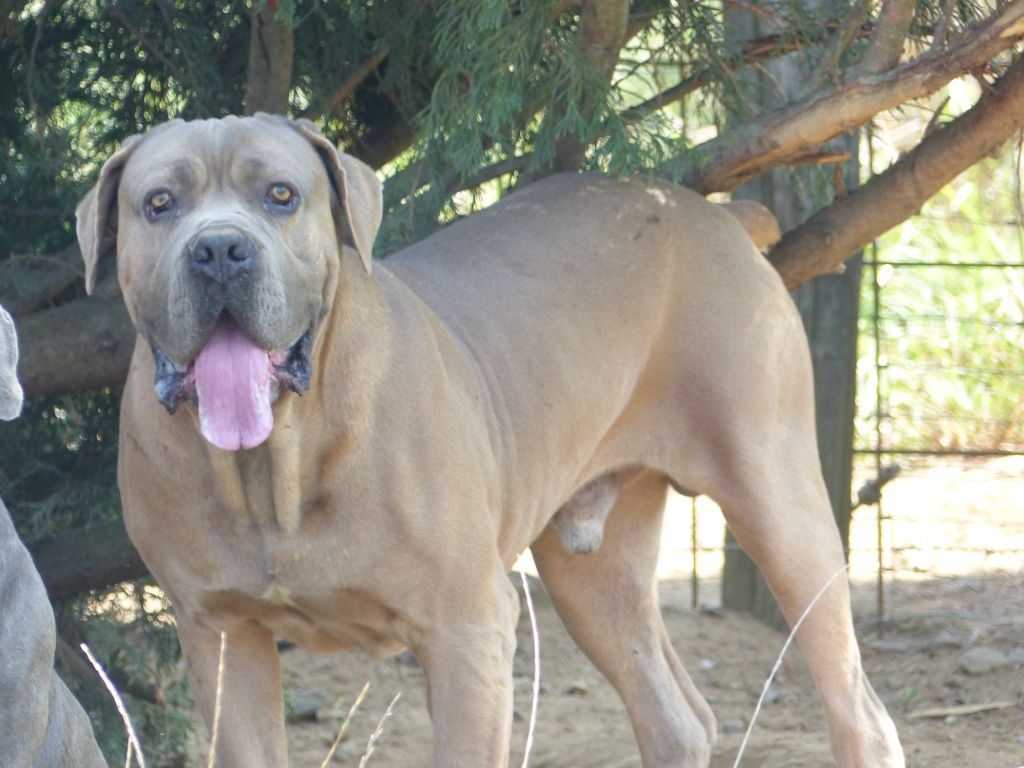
275 483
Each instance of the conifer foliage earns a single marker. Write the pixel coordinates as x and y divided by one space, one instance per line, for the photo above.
455 102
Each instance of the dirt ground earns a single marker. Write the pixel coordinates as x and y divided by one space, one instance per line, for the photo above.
939 603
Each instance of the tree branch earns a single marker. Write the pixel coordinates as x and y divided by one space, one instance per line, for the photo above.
62 270
349 85
828 65
746 151
121 15
84 344
886 44
76 561
829 237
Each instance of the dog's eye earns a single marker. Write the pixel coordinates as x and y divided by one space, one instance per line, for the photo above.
282 195
158 203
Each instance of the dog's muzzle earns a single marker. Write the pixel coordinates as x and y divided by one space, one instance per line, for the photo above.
233 383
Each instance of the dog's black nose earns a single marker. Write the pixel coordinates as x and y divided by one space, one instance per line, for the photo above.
221 256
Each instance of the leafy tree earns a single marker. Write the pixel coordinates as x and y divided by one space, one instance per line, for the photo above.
455 102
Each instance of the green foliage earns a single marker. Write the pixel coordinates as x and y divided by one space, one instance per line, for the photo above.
57 464
131 632
951 339
467 86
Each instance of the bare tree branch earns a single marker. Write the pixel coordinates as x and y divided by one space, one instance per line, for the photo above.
154 50
939 39
75 561
84 344
384 143
886 44
349 85
62 270
828 65
829 237
803 127
271 56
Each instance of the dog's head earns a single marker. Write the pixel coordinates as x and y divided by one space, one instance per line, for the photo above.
229 236
10 389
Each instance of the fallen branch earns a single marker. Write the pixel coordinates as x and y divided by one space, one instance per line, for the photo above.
962 709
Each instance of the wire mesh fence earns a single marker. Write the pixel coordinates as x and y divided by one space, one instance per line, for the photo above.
940 419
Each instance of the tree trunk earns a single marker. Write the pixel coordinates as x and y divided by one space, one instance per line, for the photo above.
271 54
828 306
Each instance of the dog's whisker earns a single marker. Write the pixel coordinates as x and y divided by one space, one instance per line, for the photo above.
778 661
344 724
119 703
536 670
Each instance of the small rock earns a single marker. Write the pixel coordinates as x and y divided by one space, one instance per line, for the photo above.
1016 657
712 609
578 688
894 683
304 703
772 695
706 664
733 726
889 646
945 639
981 660
407 659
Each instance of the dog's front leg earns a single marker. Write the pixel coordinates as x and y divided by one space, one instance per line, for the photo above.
467 659
250 728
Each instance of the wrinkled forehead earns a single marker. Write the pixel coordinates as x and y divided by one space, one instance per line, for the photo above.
230 150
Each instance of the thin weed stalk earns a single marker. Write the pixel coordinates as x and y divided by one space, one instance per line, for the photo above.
536 671
215 730
133 739
378 731
344 724
778 662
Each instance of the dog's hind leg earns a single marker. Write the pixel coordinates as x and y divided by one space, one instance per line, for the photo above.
760 463
776 504
609 603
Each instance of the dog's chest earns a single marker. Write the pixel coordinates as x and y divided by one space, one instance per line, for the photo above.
306 593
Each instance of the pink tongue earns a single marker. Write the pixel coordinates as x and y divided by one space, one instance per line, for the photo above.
233 387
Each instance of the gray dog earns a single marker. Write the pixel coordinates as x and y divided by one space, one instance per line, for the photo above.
41 724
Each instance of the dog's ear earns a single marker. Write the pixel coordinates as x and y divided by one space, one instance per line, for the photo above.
10 389
359 191
96 215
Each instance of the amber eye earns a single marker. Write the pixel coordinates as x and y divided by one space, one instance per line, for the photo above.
282 195
158 203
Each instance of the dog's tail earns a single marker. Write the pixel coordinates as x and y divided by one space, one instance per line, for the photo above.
760 223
